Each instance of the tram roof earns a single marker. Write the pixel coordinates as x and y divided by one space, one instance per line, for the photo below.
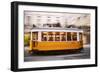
57 29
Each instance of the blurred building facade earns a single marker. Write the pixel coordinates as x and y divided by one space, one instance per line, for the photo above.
54 19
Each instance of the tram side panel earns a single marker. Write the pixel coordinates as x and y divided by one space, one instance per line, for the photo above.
57 45
50 46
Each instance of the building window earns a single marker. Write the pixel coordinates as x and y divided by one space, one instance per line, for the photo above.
74 36
38 20
68 36
48 17
38 16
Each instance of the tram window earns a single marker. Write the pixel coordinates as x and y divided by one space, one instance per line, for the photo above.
44 37
74 36
50 34
68 36
57 36
80 36
63 37
35 35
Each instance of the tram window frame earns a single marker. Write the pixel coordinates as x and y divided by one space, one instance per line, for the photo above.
63 36
50 36
69 37
74 37
57 36
34 37
80 36
44 37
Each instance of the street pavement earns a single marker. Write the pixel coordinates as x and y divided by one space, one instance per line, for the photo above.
84 54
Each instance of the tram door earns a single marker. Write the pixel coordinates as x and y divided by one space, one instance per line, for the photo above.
35 39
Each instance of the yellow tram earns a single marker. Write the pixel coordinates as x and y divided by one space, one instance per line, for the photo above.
48 39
